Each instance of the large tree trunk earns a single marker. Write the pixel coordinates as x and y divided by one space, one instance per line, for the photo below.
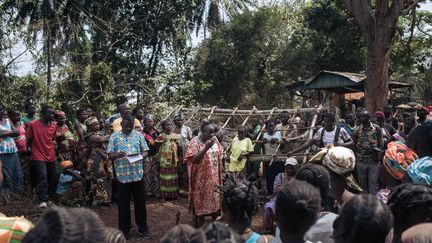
376 88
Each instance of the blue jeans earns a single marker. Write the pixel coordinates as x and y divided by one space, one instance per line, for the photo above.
13 176
46 179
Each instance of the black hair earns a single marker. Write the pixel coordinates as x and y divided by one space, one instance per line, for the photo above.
46 109
136 109
407 198
420 139
215 232
329 116
178 234
241 127
300 201
204 125
269 121
163 122
129 118
28 104
317 176
12 111
410 119
363 219
80 111
240 198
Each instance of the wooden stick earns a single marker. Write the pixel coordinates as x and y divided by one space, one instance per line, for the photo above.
263 127
254 109
310 134
229 118
277 158
211 112
168 115
258 112
277 148
193 114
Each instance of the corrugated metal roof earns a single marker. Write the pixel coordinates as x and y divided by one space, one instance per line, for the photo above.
355 77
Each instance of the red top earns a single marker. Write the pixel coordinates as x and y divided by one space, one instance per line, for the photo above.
21 141
42 140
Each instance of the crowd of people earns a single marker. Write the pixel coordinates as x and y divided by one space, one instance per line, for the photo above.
369 180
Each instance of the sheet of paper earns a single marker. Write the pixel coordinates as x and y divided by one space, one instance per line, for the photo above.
134 158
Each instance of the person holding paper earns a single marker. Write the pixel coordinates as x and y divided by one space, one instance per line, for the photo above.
123 149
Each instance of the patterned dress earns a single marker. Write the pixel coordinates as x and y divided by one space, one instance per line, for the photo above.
168 160
204 178
151 164
99 171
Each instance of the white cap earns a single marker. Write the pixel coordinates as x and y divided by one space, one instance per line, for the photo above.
291 161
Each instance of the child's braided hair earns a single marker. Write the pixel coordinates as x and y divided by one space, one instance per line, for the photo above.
215 232
240 198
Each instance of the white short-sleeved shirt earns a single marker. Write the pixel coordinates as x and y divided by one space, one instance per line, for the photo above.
328 137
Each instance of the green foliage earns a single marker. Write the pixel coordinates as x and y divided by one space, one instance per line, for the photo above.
16 91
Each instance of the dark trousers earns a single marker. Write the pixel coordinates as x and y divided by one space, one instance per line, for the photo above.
367 175
46 179
13 177
124 193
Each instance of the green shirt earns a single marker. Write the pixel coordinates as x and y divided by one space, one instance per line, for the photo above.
27 119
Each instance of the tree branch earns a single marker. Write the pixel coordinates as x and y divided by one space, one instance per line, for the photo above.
361 10
13 60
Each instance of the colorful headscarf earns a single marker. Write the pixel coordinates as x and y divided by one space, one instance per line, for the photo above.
90 121
13 229
420 171
397 158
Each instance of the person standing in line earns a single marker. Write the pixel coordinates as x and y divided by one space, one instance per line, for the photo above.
185 135
204 160
30 109
11 166
368 144
79 127
127 149
41 135
124 110
21 144
151 164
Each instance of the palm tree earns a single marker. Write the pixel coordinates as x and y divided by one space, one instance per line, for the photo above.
211 13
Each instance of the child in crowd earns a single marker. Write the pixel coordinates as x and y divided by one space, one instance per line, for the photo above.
280 180
241 147
70 185
271 140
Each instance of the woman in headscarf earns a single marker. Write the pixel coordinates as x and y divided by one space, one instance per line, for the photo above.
99 167
169 150
66 143
151 165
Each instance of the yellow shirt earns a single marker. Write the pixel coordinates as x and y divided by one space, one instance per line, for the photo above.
237 147
117 125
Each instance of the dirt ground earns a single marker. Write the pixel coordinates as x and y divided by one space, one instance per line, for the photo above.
161 215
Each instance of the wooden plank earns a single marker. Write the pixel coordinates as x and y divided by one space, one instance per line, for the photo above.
229 118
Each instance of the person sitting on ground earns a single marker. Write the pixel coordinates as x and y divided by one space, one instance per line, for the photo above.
30 109
70 188
13 229
328 134
124 110
297 209
280 180
72 225
215 232
363 219
420 233
113 235
411 205
169 149
420 139
178 234
420 171
241 147
239 204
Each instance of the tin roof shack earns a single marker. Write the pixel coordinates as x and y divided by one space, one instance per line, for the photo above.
341 89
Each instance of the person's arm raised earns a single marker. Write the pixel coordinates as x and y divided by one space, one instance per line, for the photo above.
208 144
